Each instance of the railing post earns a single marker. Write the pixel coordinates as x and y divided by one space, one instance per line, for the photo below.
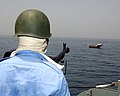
118 87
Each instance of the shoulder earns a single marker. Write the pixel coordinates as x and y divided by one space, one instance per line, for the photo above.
8 53
3 59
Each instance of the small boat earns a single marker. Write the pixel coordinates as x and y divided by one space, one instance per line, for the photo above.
95 45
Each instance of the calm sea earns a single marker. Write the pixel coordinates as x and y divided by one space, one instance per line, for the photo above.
86 67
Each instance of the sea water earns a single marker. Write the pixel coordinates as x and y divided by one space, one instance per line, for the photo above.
87 67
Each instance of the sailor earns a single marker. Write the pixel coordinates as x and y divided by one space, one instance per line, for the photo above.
29 72
57 58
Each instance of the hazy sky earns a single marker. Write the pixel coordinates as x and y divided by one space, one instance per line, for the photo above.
68 18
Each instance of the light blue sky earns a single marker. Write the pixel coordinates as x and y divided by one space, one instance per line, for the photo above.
68 18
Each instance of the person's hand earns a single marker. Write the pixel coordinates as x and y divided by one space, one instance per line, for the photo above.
67 50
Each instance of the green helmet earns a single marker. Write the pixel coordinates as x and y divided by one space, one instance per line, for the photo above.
32 23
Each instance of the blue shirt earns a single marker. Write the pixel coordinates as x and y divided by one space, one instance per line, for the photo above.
28 73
